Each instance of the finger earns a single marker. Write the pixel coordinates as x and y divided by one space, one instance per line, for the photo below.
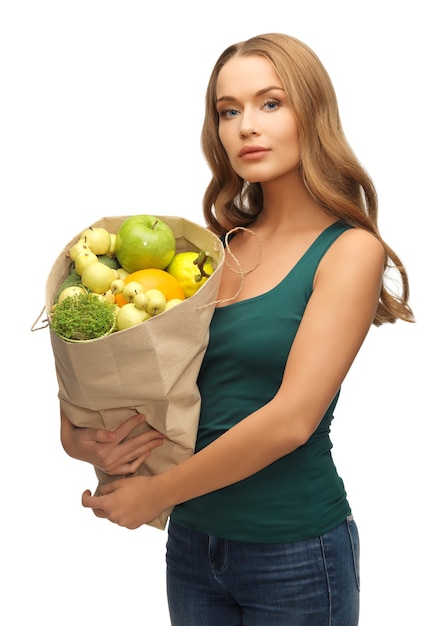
131 457
86 498
133 447
149 435
103 436
137 463
128 426
141 443
128 467
109 488
91 502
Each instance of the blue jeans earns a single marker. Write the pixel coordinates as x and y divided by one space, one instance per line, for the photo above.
214 582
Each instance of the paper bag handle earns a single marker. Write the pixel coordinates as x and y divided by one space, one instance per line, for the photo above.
39 320
240 270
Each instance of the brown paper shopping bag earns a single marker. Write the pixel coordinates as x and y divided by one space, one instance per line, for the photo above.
150 368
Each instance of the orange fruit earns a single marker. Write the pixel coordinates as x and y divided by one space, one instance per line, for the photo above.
154 279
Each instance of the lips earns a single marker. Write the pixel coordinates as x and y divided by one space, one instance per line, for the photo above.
252 150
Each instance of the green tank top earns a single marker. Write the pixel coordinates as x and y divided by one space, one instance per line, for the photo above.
300 495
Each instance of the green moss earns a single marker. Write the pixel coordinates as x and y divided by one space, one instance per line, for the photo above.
83 317
109 261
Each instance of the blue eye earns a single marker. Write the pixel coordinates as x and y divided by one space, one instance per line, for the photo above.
271 105
227 113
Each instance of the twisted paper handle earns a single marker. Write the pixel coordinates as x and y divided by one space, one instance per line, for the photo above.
240 270
45 322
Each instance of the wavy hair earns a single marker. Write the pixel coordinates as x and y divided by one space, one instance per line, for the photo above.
330 170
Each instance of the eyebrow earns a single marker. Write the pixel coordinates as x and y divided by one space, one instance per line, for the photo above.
259 93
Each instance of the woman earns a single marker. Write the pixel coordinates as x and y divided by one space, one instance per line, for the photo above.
262 532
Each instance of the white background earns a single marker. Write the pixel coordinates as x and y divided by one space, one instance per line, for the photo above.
100 114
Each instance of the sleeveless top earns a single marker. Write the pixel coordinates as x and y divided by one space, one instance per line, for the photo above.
300 495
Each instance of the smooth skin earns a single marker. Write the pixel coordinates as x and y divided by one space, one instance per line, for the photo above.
254 110
117 452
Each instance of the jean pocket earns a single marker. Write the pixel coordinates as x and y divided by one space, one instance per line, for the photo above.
354 540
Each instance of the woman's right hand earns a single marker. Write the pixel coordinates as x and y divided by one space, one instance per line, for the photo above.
111 451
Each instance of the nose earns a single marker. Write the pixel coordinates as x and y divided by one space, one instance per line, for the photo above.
247 133
248 126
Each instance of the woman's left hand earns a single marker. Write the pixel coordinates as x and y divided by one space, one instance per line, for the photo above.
129 502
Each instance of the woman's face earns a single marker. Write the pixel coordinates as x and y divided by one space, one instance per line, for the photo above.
257 126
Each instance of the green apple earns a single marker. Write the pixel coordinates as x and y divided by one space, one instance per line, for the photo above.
144 241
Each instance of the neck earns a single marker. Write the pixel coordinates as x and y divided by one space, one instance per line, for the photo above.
288 202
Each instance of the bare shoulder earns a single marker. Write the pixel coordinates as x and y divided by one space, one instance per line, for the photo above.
356 251
355 239
357 243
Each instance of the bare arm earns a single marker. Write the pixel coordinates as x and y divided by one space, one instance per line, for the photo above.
336 321
115 452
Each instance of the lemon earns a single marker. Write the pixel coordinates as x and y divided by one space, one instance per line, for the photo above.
191 270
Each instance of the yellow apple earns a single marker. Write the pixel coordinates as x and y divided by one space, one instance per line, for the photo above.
155 301
172 303
113 245
140 300
122 273
68 292
129 315
83 260
131 290
77 248
97 277
109 296
98 239
117 285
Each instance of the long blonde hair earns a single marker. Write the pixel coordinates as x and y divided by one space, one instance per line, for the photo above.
330 170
